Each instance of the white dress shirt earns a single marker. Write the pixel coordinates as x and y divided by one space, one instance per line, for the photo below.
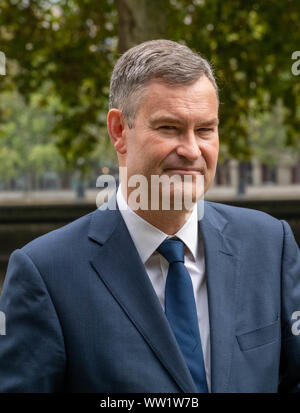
147 239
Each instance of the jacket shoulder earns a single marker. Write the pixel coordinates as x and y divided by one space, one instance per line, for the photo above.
246 220
67 236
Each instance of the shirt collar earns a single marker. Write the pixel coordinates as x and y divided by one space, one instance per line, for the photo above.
147 238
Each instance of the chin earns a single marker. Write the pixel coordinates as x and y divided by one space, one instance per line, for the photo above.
184 200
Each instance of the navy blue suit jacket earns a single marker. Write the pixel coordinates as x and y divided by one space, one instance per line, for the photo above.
82 315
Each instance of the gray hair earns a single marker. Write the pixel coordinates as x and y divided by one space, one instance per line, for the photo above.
172 62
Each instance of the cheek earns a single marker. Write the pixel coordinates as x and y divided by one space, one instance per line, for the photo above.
141 157
210 154
146 151
155 149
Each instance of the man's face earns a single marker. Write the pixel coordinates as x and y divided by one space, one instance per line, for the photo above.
175 132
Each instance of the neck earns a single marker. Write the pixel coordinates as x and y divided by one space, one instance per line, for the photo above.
169 221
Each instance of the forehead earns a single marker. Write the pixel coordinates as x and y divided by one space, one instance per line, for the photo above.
198 98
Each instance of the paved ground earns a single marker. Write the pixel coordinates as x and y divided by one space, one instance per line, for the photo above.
216 193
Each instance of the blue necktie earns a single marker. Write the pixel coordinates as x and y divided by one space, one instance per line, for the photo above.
180 309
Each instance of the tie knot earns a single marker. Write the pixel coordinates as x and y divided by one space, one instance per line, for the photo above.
172 250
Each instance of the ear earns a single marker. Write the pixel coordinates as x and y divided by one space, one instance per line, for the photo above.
116 127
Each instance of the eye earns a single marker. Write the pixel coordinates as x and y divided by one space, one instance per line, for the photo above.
167 127
205 130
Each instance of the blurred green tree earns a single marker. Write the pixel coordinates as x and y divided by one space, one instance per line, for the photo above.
267 138
25 149
250 45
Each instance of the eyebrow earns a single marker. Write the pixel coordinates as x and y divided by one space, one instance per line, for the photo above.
209 122
173 119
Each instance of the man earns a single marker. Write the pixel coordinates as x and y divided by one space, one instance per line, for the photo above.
133 299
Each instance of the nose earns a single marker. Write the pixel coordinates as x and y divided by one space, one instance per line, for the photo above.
189 147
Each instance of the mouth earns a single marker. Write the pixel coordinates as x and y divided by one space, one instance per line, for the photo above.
183 171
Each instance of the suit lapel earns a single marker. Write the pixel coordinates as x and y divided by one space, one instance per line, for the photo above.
120 268
221 264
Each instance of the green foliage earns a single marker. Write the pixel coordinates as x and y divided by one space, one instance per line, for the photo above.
71 45
24 138
267 138
250 46
10 164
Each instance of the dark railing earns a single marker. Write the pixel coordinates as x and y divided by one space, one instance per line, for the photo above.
20 224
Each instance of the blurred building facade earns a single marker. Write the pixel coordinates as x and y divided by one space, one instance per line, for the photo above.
256 173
